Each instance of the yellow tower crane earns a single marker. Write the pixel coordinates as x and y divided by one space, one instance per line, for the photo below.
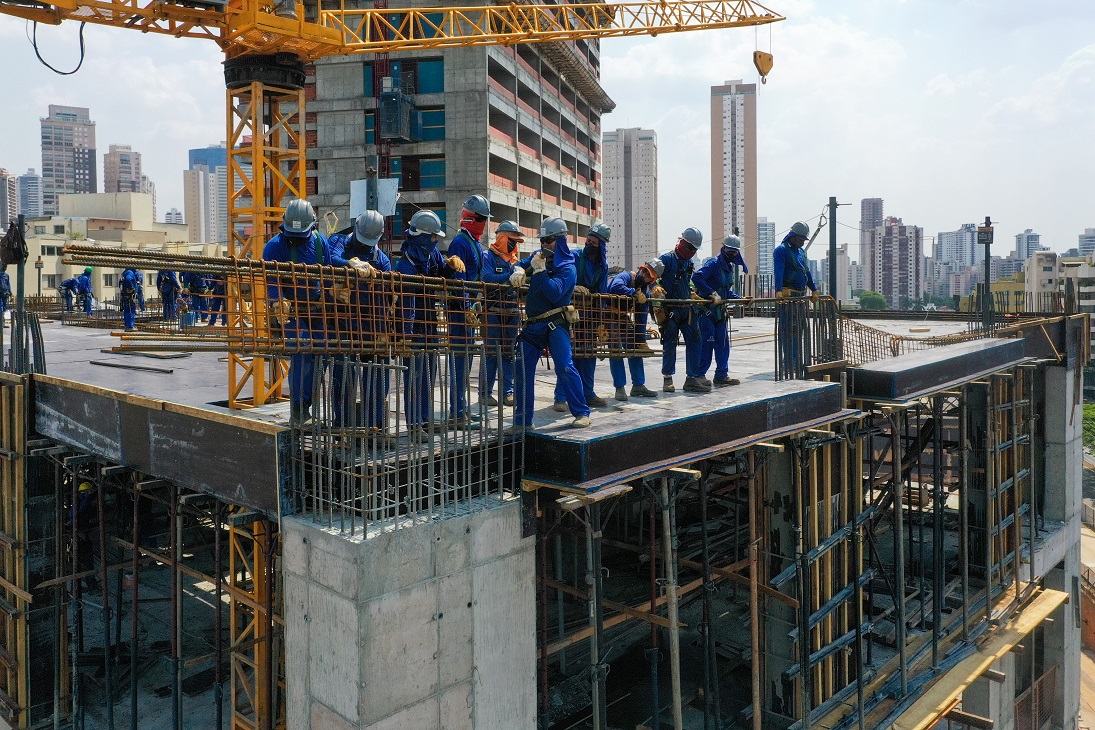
266 47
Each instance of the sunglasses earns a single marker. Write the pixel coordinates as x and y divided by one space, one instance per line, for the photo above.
479 218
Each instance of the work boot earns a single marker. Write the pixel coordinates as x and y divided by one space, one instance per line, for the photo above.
560 406
580 422
621 394
509 400
518 430
725 380
695 385
641 391
704 382
596 401
490 400
667 384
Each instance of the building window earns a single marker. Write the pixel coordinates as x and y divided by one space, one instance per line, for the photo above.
39 230
108 279
431 77
51 281
432 174
370 127
59 230
433 125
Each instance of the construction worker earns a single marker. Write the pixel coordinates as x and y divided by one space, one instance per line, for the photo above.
367 311
419 257
793 280
591 264
218 298
84 295
503 314
549 311
300 243
714 281
168 286
677 281
67 289
131 292
198 286
632 336
5 289
466 246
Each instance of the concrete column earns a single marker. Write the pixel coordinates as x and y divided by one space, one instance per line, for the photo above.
994 700
1062 643
1063 429
430 626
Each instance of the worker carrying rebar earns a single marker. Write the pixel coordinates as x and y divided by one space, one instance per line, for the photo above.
131 291
503 315
679 319
367 311
5 290
550 314
67 290
714 281
167 284
84 296
591 265
460 310
296 304
632 335
419 257
793 282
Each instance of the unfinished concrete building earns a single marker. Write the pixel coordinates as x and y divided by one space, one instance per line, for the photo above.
889 542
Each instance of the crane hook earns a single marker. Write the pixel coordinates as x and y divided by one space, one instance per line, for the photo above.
763 61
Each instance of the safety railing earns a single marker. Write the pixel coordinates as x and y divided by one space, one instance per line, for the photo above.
1034 707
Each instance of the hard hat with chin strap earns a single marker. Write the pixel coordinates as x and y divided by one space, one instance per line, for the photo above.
692 237
426 221
369 227
552 227
800 229
299 218
601 231
479 205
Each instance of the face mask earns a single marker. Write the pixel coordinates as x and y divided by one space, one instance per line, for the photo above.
474 227
593 249
685 250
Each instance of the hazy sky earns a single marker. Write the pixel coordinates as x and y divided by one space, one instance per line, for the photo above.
948 110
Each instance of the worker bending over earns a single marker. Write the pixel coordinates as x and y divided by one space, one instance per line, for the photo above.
714 281
677 282
503 315
591 266
632 336
67 289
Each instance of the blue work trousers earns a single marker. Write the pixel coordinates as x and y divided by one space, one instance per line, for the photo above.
370 379
218 304
199 303
461 339
586 366
557 340
68 300
418 381
501 338
129 312
680 322
299 332
715 341
793 333
629 340
87 304
170 306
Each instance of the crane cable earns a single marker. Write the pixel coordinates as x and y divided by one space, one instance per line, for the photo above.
34 44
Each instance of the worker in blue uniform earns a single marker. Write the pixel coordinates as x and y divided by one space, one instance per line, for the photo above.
677 282
5 289
295 307
131 291
84 296
167 284
631 336
793 281
591 265
198 286
461 320
714 281
503 315
67 289
366 311
218 298
549 313
419 257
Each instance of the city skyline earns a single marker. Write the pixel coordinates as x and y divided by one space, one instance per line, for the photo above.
1014 93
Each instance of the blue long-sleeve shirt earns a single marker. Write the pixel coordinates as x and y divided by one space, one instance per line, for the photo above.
278 249
345 246
496 270
465 246
791 268
131 285
68 285
166 283
715 277
623 284
83 284
593 275
195 282
677 276
418 315
550 289
5 283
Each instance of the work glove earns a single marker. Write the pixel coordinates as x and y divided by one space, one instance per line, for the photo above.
538 263
282 311
697 297
780 294
581 290
657 292
640 298
455 264
364 268
715 298
602 335
814 295
471 319
341 293
517 278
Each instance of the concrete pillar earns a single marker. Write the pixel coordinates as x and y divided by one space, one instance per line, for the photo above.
994 700
1062 643
430 626
1063 431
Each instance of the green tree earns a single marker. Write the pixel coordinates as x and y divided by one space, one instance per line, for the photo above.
871 301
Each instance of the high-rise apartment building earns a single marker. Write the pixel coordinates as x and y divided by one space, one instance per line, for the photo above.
1026 244
149 188
734 164
959 247
205 194
68 154
519 124
1086 242
29 188
9 199
173 216
630 173
121 170
899 261
870 218
766 245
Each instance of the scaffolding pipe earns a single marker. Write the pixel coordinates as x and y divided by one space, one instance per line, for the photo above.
104 577
58 589
938 579
176 613
709 676
559 606
899 553
669 550
963 511
596 618
754 591
77 599
218 619
653 653
134 625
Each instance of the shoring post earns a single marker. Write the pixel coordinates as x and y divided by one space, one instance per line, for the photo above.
832 251
134 623
652 652
669 551
594 588
897 481
963 510
754 591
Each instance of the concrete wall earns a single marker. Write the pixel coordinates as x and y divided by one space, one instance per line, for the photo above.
428 627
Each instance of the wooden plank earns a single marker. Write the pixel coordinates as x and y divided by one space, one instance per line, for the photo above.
969 720
614 605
